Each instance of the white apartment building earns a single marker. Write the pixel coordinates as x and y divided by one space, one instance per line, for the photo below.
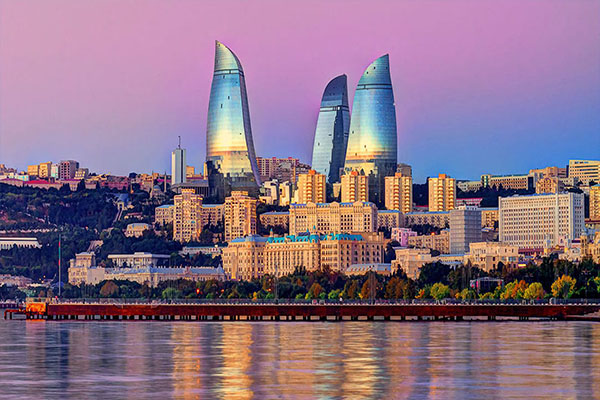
585 170
541 220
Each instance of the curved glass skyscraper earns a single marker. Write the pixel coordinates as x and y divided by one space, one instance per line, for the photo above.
373 142
331 135
230 156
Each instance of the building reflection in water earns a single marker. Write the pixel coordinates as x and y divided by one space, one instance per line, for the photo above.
240 360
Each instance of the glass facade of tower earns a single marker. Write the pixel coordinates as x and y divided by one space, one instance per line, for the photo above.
230 155
373 143
331 135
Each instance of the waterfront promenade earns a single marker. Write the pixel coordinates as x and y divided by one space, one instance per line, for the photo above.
294 311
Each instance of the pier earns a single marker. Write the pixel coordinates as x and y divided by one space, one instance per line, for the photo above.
301 312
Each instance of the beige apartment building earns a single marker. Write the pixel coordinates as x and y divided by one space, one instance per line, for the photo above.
212 214
585 170
33 170
411 261
355 187
252 256
595 202
163 215
440 219
442 193
398 192
541 220
439 242
515 182
44 170
239 215
187 216
275 218
487 255
334 217
549 184
389 219
311 188
489 217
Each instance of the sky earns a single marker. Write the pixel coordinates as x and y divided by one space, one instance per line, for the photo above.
480 86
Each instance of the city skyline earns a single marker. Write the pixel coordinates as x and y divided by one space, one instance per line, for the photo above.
465 89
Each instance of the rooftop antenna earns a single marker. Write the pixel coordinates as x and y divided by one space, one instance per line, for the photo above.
179 145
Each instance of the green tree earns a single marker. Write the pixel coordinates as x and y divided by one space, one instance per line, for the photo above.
314 291
563 287
514 290
439 291
334 294
466 294
170 293
535 291
109 289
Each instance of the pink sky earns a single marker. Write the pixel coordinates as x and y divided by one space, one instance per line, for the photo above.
480 85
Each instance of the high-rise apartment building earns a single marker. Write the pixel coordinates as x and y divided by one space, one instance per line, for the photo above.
187 216
327 218
465 228
67 169
541 220
355 187
372 142
311 188
442 193
398 192
595 202
230 155
178 166
44 170
33 170
585 170
54 168
331 134
239 215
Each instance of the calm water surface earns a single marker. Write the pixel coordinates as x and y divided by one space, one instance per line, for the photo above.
442 360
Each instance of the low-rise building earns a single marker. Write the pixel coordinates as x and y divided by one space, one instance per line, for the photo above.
487 255
163 215
10 242
153 276
139 260
389 219
439 219
361 269
401 235
549 184
275 218
439 242
489 217
514 182
410 261
212 214
136 229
